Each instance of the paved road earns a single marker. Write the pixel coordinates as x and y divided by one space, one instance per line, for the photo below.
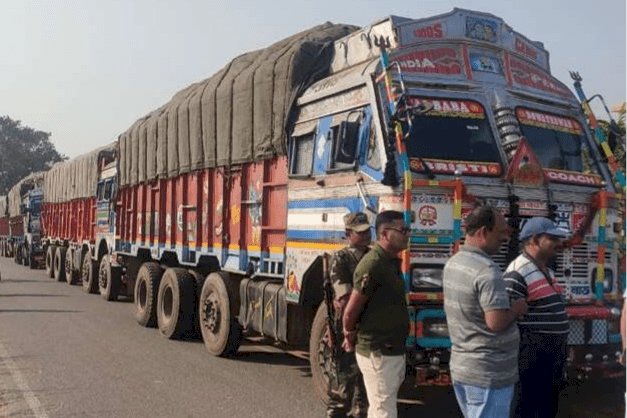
67 354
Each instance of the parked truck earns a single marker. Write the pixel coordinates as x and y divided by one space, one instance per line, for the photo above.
215 210
20 228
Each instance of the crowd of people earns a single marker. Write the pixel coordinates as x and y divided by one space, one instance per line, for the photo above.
508 330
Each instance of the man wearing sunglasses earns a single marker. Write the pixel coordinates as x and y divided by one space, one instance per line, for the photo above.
375 320
544 329
347 393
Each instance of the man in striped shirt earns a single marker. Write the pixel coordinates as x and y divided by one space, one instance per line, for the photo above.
544 329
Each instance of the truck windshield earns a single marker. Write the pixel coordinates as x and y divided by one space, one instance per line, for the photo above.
454 130
35 207
556 140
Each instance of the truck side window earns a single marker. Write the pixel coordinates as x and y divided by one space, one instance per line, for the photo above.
345 137
108 187
301 158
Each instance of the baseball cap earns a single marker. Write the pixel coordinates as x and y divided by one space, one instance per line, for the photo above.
540 225
357 221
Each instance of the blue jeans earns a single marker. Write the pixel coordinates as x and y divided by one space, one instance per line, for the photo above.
478 402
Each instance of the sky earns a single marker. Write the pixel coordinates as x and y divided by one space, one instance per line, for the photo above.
85 70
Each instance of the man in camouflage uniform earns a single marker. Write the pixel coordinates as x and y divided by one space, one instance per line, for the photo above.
349 395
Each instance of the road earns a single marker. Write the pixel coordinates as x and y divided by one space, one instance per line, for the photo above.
64 353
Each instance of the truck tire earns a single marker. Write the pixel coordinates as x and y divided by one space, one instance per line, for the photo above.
199 281
221 332
50 252
25 257
109 279
71 274
320 354
175 303
89 274
59 264
32 264
17 258
146 292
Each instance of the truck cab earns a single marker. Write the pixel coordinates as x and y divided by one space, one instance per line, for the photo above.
469 112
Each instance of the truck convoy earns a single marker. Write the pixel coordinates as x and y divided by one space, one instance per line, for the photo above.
20 221
215 210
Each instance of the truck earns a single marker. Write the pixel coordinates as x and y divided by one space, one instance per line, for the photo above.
215 211
20 226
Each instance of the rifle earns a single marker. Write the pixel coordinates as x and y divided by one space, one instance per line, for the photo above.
333 330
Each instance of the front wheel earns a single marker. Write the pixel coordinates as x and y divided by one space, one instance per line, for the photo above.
221 332
320 354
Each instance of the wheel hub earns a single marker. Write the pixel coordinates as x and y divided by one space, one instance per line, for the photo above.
211 313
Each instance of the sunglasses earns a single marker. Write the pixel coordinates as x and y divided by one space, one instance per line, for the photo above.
403 230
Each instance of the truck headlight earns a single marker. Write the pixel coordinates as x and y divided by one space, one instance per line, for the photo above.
426 277
435 327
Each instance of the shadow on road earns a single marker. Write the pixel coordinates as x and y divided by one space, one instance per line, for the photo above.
20 281
39 311
38 295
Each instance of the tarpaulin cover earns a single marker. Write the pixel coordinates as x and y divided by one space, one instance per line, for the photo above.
238 115
14 197
3 206
74 179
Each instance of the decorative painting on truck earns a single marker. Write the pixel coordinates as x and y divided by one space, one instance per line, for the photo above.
445 61
482 29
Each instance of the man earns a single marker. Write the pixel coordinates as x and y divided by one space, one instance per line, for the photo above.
375 320
350 393
481 321
544 329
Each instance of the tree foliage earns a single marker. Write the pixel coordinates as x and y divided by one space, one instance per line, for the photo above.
23 150
615 133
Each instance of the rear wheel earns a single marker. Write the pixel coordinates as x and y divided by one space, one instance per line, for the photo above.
71 274
18 255
146 292
50 252
89 274
221 332
175 303
109 279
25 256
59 264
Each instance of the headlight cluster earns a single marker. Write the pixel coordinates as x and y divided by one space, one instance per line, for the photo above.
426 277
435 327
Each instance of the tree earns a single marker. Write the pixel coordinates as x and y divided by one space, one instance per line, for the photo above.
615 134
23 150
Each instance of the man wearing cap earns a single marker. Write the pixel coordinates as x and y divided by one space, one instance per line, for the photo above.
350 394
544 329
